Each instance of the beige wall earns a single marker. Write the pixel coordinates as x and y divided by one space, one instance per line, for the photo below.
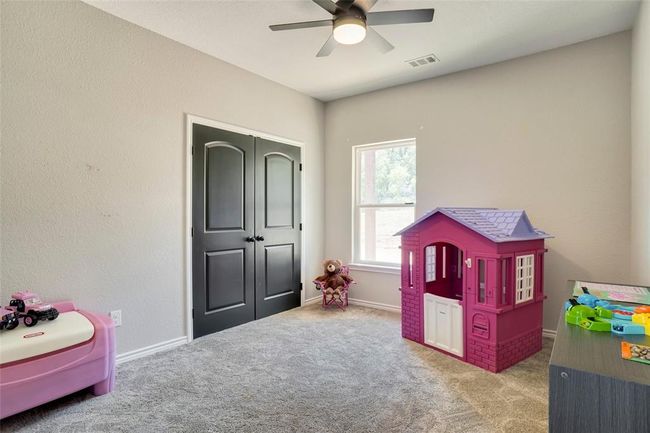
93 157
640 257
549 133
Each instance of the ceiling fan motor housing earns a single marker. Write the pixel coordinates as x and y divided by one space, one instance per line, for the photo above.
350 26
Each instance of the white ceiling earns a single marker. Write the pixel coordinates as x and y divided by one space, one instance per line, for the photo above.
463 35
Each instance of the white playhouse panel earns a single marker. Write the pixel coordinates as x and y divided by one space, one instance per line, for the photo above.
443 323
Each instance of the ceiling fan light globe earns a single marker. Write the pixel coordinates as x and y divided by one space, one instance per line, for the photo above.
349 31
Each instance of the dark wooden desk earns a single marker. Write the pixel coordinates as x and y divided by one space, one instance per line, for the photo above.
591 388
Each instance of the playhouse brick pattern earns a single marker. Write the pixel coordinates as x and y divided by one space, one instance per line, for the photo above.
503 355
411 304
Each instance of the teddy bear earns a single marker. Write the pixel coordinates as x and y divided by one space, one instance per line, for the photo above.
333 280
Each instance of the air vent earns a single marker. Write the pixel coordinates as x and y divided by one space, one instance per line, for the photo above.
422 61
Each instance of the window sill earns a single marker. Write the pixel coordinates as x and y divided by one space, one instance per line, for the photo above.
395 270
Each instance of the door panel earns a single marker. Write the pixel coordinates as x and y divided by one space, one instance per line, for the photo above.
225 279
222 219
277 227
224 183
279 270
278 185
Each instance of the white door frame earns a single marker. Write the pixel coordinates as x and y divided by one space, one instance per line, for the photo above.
191 119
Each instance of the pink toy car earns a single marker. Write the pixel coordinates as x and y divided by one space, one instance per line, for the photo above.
27 305
8 319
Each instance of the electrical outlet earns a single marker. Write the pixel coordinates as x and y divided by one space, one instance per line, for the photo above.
117 317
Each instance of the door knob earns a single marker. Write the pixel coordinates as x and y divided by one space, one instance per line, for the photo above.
259 238
250 239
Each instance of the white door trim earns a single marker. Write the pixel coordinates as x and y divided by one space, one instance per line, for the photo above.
191 119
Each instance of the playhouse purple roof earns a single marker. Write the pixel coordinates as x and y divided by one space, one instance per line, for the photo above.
498 225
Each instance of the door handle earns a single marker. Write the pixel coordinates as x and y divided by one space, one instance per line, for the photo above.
259 238
250 239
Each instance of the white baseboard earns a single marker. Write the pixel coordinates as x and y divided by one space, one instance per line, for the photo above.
376 305
314 300
149 350
549 333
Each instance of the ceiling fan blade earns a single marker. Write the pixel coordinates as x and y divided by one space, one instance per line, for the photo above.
344 4
301 25
400 17
327 47
366 5
328 5
378 41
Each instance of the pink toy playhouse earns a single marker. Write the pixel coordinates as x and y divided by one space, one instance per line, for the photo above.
472 284
55 357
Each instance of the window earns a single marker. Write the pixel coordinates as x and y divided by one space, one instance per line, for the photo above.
411 279
384 200
525 277
481 281
430 263
444 262
505 279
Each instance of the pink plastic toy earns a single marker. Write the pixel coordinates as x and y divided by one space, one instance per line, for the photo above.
472 284
38 364
28 306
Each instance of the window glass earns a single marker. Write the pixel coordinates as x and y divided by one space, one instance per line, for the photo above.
481 281
384 200
387 175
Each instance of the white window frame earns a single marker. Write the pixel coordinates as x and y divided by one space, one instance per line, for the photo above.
357 263
524 278
430 263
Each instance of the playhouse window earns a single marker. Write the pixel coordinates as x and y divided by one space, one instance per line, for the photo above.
525 277
444 262
481 281
505 279
430 263
384 200
411 279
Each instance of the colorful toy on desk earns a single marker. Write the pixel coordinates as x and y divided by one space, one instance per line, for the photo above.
593 302
642 319
577 312
600 319
620 327
635 352
596 324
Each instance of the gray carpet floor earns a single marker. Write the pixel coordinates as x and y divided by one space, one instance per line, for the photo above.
305 370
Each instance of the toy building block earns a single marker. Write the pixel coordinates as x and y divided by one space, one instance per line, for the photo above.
642 319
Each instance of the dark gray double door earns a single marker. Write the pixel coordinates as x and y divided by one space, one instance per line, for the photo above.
246 228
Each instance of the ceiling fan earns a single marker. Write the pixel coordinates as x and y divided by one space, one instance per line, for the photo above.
351 23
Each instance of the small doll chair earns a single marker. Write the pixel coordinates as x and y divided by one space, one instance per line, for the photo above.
335 298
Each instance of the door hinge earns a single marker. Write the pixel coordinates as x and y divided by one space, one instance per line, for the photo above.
192 150
192 313
192 232
300 166
300 226
301 287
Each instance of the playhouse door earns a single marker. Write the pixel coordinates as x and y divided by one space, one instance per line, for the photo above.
443 323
